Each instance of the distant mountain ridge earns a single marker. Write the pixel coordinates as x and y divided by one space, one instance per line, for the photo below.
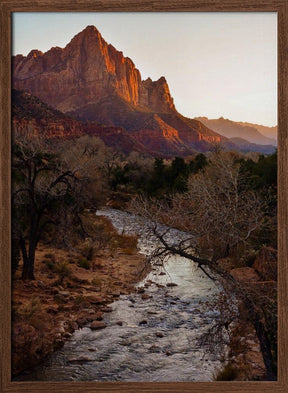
248 131
269 132
245 146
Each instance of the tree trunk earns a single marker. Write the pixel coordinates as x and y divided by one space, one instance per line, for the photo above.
28 268
28 261
263 339
265 350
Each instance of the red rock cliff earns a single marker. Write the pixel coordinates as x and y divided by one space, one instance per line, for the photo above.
84 72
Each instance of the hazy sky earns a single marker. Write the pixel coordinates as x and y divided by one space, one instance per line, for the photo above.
216 64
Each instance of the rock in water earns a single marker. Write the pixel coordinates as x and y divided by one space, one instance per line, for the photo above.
171 284
96 325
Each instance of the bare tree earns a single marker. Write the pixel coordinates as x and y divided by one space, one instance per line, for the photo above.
218 214
50 185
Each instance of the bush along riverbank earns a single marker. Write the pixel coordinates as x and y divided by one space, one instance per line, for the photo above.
245 361
72 288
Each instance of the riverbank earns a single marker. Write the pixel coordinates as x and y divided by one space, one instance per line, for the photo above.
245 361
69 291
154 334
160 325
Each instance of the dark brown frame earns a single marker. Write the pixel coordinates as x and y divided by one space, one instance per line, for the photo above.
9 6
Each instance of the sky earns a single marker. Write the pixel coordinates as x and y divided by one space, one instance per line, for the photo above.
216 63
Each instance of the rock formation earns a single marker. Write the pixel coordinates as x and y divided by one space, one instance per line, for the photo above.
32 117
90 81
84 72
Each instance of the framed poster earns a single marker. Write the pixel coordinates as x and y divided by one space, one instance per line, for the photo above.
144 234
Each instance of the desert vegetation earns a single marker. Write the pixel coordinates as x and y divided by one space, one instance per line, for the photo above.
228 208
225 201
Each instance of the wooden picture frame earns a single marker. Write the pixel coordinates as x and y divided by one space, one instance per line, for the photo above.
9 6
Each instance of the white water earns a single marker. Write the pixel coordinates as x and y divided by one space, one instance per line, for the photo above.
166 347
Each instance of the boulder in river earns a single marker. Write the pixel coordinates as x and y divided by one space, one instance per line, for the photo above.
96 325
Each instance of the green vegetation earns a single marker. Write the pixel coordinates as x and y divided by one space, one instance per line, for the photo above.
62 269
162 179
261 174
84 263
31 308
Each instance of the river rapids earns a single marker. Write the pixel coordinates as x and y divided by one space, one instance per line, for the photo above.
160 337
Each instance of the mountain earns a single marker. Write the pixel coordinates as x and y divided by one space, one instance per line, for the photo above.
245 146
90 80
92 88
269 132
232 129
32 117
84 72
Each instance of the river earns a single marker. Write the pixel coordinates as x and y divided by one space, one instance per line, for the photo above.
160 337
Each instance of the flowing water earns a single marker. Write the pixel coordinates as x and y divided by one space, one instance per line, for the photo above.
160 337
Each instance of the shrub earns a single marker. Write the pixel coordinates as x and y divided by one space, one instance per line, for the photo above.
78 299
62 269
30 309
87 249
84 263
50 265
97 282
229 373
